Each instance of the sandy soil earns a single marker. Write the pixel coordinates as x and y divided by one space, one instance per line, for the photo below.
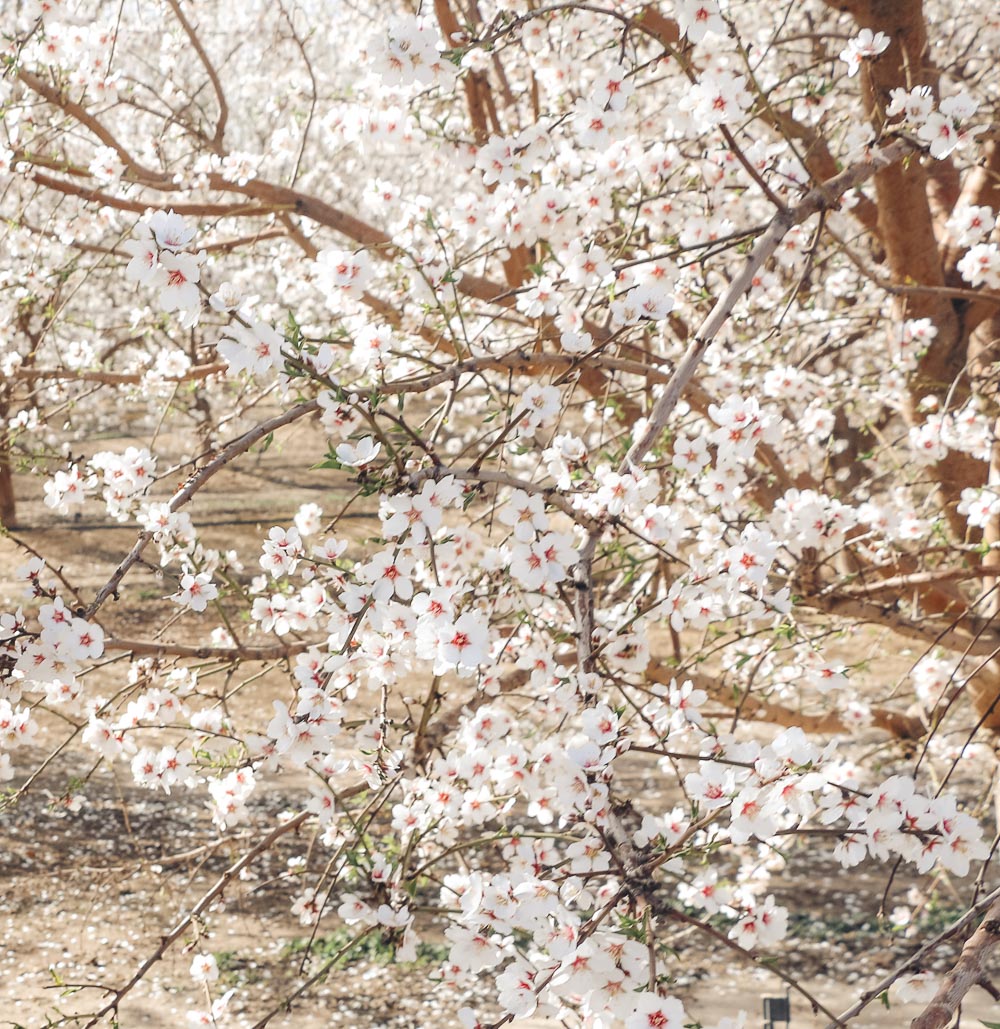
87 896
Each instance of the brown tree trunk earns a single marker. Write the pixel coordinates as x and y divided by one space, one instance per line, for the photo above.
913 206
8 504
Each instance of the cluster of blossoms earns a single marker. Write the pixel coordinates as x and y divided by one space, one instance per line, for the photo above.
944 126
897 820
866 45
238 167
79 47
126 478
980 264
343 273
502 160
160 261
46 660
409 52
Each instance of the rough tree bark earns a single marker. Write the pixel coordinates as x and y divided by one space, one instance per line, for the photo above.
969 970
913 207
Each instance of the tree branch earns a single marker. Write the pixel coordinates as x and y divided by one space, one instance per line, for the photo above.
194 483
220 94
968 970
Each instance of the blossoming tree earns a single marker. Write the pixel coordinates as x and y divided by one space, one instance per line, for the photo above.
658 342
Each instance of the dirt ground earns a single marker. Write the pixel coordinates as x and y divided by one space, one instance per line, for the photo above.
85 897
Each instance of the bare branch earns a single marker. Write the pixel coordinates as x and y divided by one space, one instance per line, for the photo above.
221 883
988 902
220 93
271 652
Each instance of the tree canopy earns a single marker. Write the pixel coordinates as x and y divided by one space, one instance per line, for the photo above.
656 344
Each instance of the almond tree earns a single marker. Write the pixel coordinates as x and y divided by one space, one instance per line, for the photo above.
656 341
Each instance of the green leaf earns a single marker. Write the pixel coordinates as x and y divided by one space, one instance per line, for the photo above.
330 462
293 331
